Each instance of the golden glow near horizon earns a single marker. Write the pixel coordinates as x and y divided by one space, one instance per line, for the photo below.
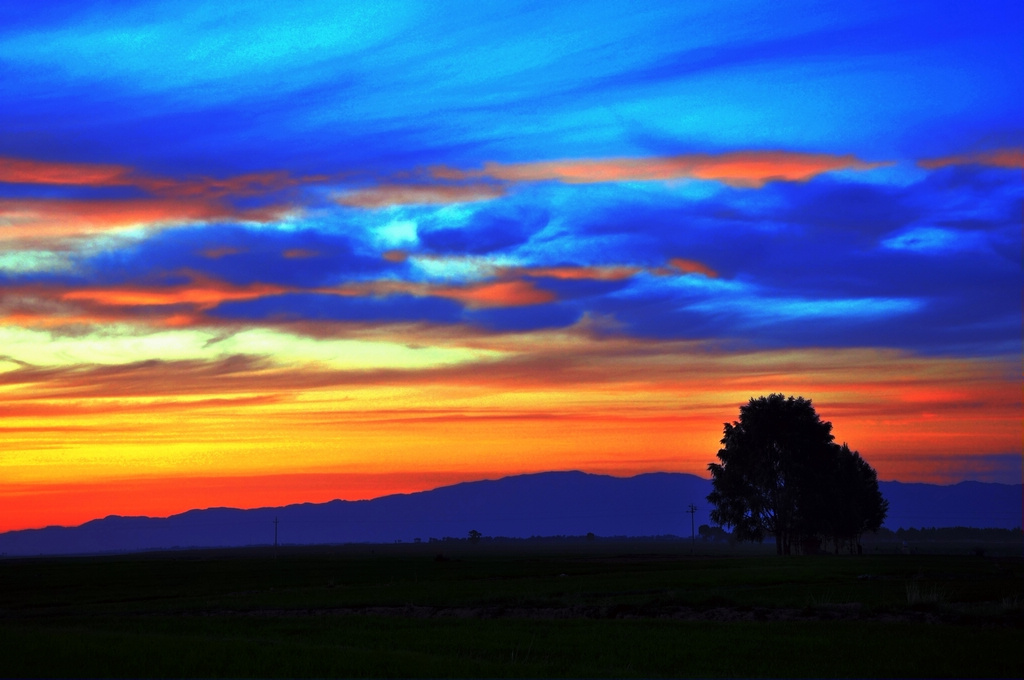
243 404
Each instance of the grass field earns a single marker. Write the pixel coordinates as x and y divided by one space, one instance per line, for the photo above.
604 608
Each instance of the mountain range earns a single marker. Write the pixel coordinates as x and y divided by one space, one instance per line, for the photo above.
542 504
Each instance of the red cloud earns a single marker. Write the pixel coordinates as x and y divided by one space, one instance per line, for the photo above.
251 184
168 200
35 219
515 293
50 306
22 171
739 168
28 171
42 320
569 272
217 253
299 253
693 267
499 294
999 158
598 273
185 305
202 293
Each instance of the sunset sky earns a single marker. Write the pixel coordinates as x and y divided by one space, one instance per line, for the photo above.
254 253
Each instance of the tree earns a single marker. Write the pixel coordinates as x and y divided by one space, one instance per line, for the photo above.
781 474
857 504
710 533
474 536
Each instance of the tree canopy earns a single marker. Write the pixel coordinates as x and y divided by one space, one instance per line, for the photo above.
781 473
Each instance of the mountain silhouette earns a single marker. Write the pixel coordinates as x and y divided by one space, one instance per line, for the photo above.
542 504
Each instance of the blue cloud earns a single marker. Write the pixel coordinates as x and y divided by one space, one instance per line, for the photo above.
239 255
489 229
314 307
579 289
814 263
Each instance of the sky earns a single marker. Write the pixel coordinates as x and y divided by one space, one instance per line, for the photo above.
264 253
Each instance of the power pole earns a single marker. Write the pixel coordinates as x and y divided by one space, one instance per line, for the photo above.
692 511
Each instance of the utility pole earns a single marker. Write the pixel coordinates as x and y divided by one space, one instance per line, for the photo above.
692 511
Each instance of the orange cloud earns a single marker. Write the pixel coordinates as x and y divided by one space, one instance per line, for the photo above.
598 273
204 294
515 293
739 168
499 294
299 253
999 158
183 306
21 171
217 253
28 171
250 184
30 320
416 194
565 272
39 220
48 307
167 200
693 267
52 307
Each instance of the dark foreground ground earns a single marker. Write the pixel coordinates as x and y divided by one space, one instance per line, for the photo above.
596 608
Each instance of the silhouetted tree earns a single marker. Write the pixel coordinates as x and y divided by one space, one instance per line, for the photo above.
856 503
781 474
474 536
710 533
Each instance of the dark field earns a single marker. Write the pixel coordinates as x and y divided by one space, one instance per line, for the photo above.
585 608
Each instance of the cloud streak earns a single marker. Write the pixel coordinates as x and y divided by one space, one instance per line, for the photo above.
30 221
998 158
749 169
38 223
412 194
29 171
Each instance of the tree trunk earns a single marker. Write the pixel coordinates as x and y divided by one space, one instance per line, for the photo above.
778 544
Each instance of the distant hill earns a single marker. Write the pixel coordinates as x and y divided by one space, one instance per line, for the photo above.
967 504
544 504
